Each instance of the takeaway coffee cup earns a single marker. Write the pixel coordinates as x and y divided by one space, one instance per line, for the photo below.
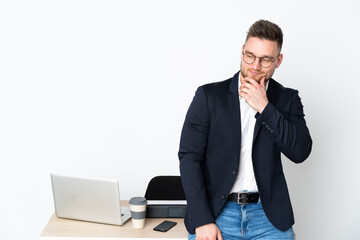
138 211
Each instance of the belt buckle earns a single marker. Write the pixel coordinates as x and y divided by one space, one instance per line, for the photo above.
240 198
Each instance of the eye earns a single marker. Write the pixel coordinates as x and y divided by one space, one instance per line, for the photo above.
249 55
266 60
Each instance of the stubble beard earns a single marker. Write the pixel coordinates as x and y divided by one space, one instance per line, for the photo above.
244 73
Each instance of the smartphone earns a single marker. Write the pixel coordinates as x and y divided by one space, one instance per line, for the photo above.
164 226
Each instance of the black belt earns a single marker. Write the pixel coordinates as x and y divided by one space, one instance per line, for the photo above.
244 197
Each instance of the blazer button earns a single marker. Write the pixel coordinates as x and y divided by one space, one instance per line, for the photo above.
234 172
263 123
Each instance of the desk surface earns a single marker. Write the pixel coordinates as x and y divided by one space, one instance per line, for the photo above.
60 228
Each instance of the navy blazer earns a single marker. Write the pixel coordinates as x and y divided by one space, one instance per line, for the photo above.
210 150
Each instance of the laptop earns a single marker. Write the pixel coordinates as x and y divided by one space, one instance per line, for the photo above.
88 199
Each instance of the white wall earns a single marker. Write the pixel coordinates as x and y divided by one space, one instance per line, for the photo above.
101 88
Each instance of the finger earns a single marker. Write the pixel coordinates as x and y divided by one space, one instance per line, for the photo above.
251 81
244 91
262 82
219 237
246 85
244 95
244 88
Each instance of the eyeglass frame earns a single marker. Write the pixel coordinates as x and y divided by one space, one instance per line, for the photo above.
261 58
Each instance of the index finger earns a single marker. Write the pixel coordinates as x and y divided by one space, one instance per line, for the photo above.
251 80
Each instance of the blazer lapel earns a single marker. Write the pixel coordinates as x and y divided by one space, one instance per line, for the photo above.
234 106
270 93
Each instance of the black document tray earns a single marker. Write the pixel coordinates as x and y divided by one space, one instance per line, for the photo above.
165 211
165 188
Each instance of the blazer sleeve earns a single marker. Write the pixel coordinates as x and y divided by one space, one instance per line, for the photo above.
290 134
192 153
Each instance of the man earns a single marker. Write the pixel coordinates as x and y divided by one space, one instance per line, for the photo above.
231 142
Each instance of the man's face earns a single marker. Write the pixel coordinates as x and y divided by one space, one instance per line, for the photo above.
266 49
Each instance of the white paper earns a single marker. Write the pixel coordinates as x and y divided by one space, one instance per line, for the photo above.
166 202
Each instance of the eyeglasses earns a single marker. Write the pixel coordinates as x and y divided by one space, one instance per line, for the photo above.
265 62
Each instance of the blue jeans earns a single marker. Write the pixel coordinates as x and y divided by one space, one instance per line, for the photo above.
247 221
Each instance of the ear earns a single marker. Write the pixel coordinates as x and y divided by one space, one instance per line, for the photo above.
242 48
280 58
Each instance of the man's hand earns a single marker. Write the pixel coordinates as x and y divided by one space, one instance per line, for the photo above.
208 232
254 93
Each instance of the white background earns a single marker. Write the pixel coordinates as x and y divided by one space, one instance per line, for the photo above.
101 88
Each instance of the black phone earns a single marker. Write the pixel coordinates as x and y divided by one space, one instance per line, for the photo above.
164 226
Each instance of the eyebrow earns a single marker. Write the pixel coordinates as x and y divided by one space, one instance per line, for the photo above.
265 56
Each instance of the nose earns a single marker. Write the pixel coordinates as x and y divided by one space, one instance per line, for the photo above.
256 64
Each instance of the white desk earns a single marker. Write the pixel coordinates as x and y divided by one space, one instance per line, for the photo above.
65 229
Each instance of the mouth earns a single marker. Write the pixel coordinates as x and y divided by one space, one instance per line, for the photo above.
255 74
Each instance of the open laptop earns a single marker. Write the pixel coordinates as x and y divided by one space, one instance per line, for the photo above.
88 199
